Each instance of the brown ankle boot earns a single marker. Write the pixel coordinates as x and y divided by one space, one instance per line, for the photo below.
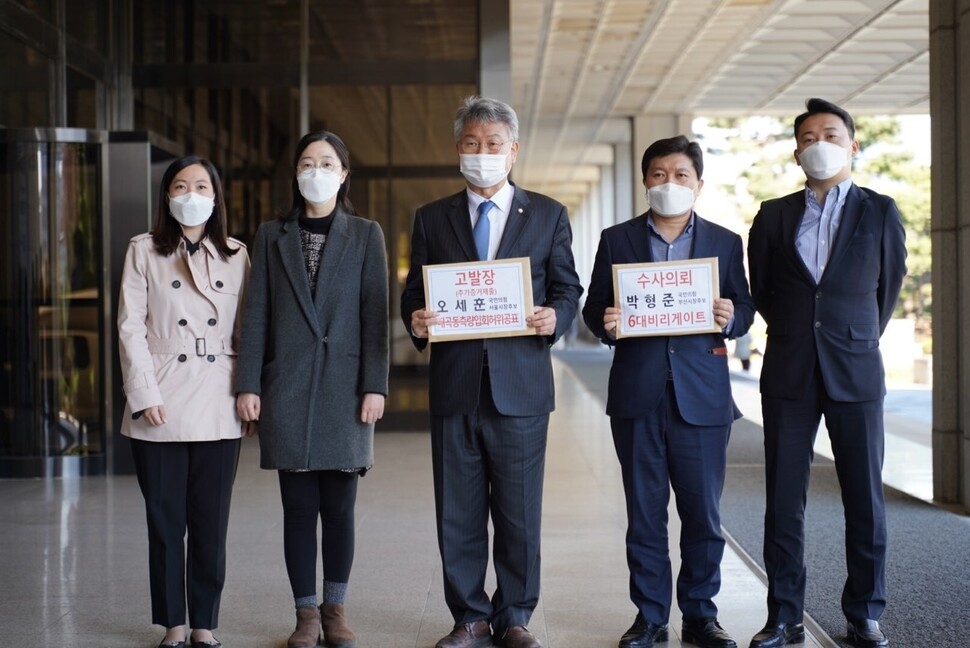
336 633
307 631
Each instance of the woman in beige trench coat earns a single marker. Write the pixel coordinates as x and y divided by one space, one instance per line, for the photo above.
181 290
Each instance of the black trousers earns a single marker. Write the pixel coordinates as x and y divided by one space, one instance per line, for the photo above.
489 463
858 441
187 487
329 495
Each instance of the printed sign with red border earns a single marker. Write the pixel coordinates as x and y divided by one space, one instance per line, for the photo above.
666 298
483 299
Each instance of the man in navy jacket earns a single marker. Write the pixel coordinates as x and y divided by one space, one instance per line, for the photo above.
827 264
670 403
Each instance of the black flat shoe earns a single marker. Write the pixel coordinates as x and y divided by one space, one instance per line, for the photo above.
706 633
643 634
206 644
775 635
866 634
172 644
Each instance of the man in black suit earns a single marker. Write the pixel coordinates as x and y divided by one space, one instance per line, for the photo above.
826 264
490 399
670 402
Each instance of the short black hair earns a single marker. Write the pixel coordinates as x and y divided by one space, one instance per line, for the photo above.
669 146
818 106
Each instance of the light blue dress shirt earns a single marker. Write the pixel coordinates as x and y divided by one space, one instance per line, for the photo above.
819 226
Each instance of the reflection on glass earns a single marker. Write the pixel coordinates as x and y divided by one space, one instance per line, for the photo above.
26 90
50 307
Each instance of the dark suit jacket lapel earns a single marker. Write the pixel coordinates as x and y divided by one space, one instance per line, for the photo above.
291 254
461 223
338 240
639 234
704 246
791 219
520 212
852 213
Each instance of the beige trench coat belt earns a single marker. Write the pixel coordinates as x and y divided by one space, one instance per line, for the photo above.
203 346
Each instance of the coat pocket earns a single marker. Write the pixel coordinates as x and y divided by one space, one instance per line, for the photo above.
864 331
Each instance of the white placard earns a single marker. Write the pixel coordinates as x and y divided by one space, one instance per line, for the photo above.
666 298
479 300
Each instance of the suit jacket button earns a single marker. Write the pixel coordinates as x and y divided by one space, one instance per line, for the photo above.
211 358
176 284
182 322
212 321
218 284
818 325
182 357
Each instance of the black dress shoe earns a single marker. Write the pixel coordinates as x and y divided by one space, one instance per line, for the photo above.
866 634
643 634
775 635
706 633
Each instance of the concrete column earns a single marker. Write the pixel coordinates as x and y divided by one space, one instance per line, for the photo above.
587 228
646 130
626 182
950 115
121 96
494 50
58 94
608 198
304 69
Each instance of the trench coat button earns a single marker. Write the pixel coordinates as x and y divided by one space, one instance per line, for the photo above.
212 321
211 358
176 284
182 322
182 357
219 284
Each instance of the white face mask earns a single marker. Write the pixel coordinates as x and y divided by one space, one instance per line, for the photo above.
483 169
191 209
670 199
823 160
318 185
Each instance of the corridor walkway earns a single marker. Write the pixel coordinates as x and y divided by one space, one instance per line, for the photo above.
74 551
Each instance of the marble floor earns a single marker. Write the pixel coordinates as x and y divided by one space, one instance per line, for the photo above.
74 553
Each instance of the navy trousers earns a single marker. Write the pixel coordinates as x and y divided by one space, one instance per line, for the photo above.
657 453
858 442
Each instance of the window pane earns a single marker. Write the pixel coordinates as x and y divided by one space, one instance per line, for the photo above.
25 85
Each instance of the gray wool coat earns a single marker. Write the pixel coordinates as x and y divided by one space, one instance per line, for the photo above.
311 358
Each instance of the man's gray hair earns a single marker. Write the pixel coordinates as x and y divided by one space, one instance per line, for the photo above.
482 109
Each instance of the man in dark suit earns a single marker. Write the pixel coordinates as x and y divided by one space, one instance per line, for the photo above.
490 399
826 263
670 403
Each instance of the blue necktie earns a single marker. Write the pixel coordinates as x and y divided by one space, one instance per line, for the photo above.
481 230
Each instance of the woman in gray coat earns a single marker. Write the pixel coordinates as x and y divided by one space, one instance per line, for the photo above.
312 370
